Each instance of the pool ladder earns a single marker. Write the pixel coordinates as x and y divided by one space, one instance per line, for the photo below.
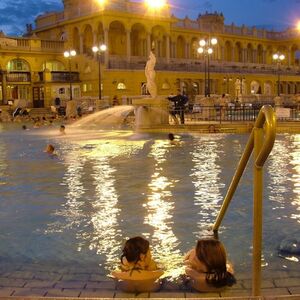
261 140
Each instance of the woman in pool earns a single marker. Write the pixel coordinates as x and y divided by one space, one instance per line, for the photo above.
139 270
207 266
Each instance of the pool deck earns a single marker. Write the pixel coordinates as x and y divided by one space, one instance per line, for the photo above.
212 127
29 282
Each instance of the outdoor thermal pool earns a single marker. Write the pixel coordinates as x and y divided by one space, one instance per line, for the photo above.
76 210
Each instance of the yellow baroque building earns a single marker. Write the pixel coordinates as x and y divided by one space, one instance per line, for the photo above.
34 69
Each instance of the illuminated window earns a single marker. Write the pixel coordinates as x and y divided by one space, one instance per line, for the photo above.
165 86
84 87
53 66
121 86
18 65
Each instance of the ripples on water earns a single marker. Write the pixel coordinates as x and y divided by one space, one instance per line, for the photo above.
78 208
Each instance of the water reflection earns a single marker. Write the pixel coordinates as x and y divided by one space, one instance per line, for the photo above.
73 207
160 209
207 182
104 238
296 176
3 164
91 210
279 172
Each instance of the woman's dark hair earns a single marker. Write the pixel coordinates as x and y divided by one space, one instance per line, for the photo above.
133 248
212 253
171 136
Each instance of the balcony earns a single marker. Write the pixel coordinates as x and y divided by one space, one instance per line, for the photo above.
24 77
62 76
197 65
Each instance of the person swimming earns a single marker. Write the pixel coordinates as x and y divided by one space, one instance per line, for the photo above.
62 129
50 150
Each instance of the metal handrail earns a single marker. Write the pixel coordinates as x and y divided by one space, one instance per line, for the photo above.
261 140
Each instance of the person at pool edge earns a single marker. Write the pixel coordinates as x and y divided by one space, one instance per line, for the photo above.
179 105
207 266
139 272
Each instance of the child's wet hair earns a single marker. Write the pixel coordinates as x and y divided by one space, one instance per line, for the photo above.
133 248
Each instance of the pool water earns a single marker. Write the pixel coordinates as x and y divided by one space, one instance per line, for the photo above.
77 208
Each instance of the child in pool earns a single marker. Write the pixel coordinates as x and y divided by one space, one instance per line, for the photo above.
139 270
137 255
207 266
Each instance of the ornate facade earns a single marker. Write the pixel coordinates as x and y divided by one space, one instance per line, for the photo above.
241 65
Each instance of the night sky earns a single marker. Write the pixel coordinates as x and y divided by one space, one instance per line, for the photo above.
270 14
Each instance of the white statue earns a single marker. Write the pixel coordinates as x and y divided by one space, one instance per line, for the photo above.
150 75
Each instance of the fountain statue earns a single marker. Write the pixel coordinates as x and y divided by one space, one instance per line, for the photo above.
152 111
149 112
150 75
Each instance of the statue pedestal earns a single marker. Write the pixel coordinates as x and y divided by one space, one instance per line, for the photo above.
71 109
151 112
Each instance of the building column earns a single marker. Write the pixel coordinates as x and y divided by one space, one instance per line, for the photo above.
264 58
168 48
254 56
4 92
243 55
81 43
148 43
187 50
95 42
106 53
128 45
289 57
222 53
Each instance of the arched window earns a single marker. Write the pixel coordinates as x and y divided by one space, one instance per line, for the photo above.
53 66
19 65
121 86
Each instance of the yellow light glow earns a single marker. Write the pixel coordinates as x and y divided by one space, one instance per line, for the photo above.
200 50
281 57
101 2
155 4
214 41
298 26
275 56
103 47
202 43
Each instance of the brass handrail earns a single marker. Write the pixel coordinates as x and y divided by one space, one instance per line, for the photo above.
261 140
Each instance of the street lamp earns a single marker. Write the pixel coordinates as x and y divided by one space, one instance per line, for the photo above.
98 50
69 54
278 58
206 49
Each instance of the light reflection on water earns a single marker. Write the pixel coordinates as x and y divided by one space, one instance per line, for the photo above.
295 162
160 207
207 182
115 185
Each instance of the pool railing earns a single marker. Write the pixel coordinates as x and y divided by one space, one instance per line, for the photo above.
261 140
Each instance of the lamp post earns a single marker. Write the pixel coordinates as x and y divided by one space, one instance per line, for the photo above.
99 50
278 58
206 49
69 54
